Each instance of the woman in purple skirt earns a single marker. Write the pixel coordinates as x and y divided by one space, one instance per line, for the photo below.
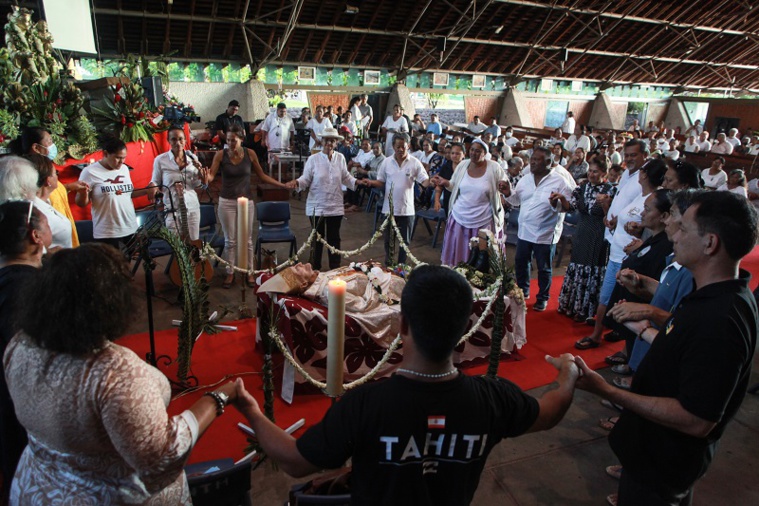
475 203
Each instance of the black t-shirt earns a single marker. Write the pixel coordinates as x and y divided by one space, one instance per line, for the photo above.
702 357
418 443
224 121
446 172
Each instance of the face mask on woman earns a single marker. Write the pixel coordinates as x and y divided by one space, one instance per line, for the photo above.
52 151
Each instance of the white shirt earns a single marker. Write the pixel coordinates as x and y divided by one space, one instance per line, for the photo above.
738 190
568 125
506 152
60 225
735 141
324 177
704 146
166 173
363 157
367 113
691 148
628 190
401 179
631 212
539 221
317 128
616 158
476 128
715 181
472 209
278 131
511 141
113 213
754 149
575 142
723 148
672 155
399 126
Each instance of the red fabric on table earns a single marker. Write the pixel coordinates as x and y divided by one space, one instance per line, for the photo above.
233 353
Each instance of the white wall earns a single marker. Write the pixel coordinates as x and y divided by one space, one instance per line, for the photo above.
211 99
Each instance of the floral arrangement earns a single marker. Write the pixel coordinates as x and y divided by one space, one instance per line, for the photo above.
35 91
128 114
171 100
372 272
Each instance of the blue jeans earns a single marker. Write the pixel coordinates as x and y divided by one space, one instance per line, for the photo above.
543 254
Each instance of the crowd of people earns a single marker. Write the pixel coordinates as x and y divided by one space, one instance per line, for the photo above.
657 248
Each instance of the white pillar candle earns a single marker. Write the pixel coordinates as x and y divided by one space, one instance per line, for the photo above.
243 232
335 337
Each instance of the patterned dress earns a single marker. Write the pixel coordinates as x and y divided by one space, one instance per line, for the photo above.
98 429
590 253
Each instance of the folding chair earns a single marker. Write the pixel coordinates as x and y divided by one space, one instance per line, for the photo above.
274 226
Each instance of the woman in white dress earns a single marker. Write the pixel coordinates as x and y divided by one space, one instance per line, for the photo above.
394 124
48 183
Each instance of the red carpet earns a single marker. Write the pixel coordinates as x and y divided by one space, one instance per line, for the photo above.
233 353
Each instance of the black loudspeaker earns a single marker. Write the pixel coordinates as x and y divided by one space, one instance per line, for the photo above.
441 44
153 90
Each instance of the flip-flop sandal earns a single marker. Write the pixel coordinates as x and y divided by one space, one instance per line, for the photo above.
608 423
608 404
616 359
613 337
614 471
621 383
586 343
622 370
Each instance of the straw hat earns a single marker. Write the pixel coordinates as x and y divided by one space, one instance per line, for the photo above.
330 133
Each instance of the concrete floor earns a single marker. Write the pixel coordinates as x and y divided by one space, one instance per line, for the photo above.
564 466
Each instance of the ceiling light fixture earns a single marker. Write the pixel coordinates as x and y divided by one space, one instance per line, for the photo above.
498 29
351 9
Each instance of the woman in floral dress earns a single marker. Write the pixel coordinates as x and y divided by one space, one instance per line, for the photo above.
585 272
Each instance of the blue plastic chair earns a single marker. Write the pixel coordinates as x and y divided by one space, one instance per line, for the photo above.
512 227
427 215
274 226
208 231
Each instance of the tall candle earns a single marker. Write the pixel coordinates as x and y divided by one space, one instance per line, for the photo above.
335 337
243 232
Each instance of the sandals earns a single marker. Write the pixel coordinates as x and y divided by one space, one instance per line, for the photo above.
618 358
608 423
608 404
587 343
228 281
623 383
613 337
614 471
622 369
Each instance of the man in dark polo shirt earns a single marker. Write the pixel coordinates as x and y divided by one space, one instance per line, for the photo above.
227 119
422 436
694 378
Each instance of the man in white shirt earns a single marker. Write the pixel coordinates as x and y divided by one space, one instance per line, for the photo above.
703 142
722 146
569 123
397 176
540 225
278 129
367 114
578 140
754 149
733 137
476 127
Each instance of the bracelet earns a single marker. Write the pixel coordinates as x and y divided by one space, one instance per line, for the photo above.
640 334
221 400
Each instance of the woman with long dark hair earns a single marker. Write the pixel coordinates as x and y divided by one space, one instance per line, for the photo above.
237 164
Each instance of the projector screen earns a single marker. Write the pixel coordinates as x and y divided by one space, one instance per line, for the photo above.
70 23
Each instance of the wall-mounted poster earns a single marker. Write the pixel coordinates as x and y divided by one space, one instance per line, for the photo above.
439 79
306 73
371 77
478 81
